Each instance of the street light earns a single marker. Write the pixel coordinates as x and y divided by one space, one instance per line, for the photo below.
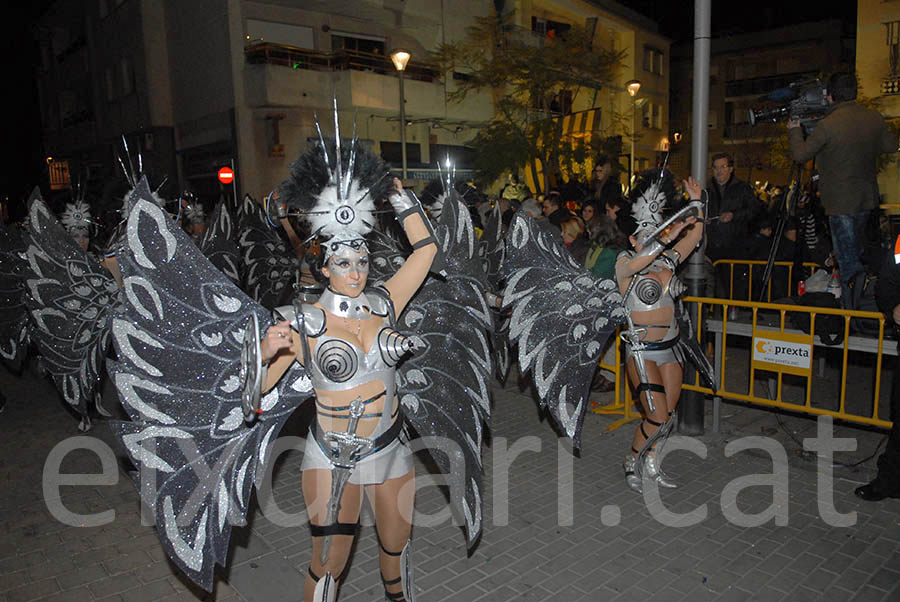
633 87
400 58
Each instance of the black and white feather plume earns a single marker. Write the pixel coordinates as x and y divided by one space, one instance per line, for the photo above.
178 335
562 317
336 187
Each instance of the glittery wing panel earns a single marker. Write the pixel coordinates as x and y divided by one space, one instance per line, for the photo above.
68 296
218 244
178 336
691 346
270 264
492 249
13 313
385 257
562 316
443 388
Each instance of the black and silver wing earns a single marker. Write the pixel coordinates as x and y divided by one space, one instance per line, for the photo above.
562 316
444 386
178 334
492 250
687 339
13 313
385 257
270 265
218 244
69 297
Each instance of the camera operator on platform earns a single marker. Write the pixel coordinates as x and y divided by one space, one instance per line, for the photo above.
845 144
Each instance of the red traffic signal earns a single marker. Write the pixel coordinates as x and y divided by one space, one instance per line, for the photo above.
226 175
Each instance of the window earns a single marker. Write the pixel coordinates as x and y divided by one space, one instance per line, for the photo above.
653 60
300 36
651 116
392 152
357 44
546 26
462 157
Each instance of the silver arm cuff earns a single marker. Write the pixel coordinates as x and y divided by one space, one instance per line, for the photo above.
651 249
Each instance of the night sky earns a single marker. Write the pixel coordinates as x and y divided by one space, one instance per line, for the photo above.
22 157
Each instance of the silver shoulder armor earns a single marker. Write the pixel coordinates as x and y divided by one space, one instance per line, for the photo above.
312 317
380 303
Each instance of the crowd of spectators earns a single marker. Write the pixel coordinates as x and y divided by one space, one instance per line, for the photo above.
742 226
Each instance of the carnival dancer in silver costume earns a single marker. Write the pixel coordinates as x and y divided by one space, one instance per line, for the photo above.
348 343
654 341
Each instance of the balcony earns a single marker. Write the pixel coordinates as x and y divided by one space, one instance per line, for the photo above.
284 76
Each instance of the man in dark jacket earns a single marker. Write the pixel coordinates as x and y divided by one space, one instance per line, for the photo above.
845 145
734 207
554 210
887 483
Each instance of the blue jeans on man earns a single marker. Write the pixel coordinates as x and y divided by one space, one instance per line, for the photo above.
846 236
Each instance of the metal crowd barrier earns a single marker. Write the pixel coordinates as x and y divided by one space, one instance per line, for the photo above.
760 268
777 351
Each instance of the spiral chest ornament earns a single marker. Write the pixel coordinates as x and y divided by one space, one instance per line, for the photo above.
337 360
648 291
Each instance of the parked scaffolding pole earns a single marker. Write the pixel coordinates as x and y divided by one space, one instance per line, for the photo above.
691 406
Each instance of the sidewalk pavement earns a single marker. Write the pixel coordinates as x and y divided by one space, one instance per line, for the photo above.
557 526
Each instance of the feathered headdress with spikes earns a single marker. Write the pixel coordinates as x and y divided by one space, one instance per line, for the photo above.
649 197
193 209
76 216
335 188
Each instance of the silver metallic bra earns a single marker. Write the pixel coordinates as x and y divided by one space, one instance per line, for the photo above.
648 293
337 364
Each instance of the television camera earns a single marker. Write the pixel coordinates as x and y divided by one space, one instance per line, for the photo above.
803 101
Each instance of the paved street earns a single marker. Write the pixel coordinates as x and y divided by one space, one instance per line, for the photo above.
556 527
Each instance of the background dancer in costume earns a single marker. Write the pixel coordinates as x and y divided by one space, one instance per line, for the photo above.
650 288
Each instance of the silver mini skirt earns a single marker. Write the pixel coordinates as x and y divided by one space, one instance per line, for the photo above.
392 462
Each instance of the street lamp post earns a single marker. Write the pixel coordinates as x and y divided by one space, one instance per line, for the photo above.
400 58
633 87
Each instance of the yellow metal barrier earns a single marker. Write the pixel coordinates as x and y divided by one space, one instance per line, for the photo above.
767 340
760 267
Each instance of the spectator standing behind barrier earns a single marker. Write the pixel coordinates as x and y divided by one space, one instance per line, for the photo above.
732 202
554 209
887 482
605 182
573 236
845 145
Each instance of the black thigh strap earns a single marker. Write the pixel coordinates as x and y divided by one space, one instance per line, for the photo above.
334 529
649 387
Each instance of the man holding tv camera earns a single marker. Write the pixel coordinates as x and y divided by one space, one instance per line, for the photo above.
845 144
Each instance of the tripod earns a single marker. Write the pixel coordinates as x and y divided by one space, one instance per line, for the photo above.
787 208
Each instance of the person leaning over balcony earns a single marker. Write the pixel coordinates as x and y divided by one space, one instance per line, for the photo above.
887 482
845 145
